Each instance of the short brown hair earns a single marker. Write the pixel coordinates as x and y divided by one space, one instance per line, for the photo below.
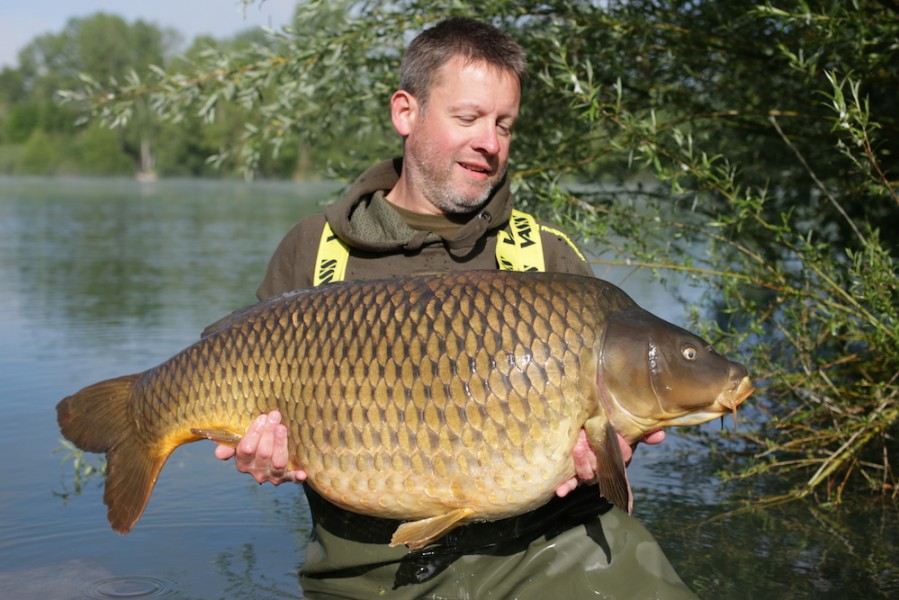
457 36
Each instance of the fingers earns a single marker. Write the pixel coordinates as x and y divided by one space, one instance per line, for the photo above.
584 458
279 448
585 463
651 438
265 440
654 437
627 452
263 451
247 447
565 488
258 441
223 452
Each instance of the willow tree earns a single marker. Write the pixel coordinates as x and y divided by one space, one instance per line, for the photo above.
753 148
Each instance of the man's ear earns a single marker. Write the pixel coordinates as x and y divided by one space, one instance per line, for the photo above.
403 111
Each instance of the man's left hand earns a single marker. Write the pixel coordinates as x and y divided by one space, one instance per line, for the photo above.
585 459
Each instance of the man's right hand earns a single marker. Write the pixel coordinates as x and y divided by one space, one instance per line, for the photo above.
262 452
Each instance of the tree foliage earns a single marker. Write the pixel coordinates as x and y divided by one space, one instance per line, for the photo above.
752 147
104 45
39 135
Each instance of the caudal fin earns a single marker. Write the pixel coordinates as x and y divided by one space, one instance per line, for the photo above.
97 419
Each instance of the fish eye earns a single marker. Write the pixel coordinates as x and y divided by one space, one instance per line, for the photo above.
689 352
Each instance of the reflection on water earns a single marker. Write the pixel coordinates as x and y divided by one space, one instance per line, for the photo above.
102 277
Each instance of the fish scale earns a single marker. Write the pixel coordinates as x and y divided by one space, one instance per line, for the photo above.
437 399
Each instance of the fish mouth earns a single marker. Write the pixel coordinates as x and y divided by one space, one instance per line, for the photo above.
726 403
739 393
730 399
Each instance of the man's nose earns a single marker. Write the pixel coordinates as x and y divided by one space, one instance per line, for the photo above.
487 139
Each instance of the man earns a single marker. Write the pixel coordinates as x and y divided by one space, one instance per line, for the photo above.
446 205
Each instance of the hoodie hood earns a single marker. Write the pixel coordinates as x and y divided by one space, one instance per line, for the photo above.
365 220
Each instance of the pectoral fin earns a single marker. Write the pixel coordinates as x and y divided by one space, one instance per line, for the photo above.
418 534
219 436
611 472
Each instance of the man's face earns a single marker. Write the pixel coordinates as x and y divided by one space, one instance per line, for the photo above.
457 149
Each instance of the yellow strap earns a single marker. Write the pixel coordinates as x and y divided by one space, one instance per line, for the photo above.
520 248
564 237
333 255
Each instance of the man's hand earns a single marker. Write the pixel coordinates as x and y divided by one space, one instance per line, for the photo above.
585 459
262 452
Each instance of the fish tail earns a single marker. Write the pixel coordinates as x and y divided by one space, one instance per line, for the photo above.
97 419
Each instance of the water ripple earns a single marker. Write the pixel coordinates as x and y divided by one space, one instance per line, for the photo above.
130 587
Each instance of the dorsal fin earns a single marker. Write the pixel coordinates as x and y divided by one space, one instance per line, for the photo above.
240 315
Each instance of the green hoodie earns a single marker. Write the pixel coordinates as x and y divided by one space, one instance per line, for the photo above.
382 244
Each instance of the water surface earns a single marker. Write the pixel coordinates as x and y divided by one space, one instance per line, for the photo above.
105 277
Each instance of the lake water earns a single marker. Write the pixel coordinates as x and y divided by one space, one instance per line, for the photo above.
105 277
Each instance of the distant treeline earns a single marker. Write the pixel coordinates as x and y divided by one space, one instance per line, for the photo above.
40 135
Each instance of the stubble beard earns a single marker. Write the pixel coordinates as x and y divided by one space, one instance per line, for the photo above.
437 187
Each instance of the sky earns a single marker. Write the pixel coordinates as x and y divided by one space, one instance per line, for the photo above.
23 20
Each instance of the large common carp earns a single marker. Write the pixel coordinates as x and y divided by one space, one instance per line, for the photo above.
438 400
